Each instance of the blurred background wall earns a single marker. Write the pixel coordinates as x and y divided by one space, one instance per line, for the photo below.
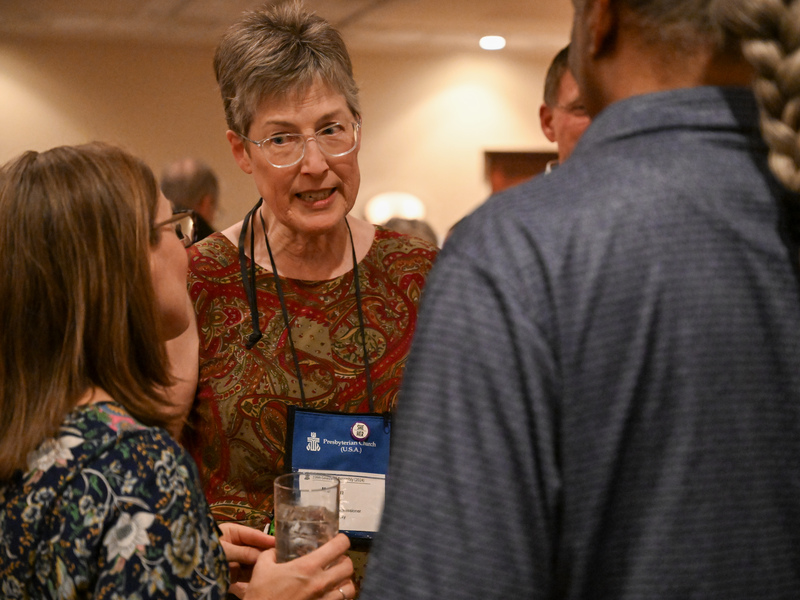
428 117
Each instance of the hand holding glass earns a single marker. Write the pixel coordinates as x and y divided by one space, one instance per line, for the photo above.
306 513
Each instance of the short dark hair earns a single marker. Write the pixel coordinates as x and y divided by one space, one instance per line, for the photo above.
555 73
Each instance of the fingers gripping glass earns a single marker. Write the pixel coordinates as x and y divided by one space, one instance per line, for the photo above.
288 149
185 224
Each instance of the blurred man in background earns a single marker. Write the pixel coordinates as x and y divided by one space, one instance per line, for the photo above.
562 115
191 184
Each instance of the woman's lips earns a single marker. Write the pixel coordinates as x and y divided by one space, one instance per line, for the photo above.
316 196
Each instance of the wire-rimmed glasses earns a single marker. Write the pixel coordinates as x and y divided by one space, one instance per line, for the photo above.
575 108
288 149
185 224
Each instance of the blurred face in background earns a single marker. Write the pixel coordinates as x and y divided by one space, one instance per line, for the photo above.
565 122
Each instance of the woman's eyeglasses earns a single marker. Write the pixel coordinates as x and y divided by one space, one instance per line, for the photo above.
288 149
185 224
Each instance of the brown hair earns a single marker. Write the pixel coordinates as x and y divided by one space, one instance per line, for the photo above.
275 52
77 303
554 75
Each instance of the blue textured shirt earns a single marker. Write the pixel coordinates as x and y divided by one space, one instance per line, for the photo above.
603 393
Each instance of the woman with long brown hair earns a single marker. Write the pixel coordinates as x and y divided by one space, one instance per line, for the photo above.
96 499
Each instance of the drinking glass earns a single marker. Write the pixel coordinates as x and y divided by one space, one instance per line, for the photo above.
306 513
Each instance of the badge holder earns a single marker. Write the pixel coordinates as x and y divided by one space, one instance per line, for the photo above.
353 447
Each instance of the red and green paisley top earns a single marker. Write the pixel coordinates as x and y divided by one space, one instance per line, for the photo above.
237 431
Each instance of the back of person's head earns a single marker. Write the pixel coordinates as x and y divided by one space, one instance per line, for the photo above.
276 52
769 34
678 23
188 181
77 305
555 73
414 227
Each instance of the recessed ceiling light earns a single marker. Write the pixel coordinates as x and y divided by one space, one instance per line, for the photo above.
493 42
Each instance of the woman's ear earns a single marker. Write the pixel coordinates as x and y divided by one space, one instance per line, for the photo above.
239 151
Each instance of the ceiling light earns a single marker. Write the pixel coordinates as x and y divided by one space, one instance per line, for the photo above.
493 42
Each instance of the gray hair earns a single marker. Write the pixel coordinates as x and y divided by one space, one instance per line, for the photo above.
770 34
275 52
187 181
681 22
415 227
678 23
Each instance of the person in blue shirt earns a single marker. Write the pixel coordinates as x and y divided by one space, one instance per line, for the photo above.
602 399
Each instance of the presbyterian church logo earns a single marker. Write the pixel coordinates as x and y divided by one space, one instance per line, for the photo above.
313 442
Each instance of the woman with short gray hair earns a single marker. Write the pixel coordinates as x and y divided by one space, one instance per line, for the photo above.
300 304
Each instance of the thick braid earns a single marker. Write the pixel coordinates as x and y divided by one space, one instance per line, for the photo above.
770 34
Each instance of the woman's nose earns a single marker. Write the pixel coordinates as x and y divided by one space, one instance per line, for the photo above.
314 161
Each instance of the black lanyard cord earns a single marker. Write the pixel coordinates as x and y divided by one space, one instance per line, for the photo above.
250 287
361 326
285 312
249 283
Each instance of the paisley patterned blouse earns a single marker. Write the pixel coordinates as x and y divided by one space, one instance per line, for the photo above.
238 429
109 509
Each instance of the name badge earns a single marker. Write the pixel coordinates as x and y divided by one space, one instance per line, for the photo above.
351 446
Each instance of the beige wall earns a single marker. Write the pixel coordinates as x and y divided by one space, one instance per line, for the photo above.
427 119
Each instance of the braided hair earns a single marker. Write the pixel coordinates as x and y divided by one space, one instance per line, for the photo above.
770 35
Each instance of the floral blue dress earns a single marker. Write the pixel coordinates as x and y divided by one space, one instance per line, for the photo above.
109 509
